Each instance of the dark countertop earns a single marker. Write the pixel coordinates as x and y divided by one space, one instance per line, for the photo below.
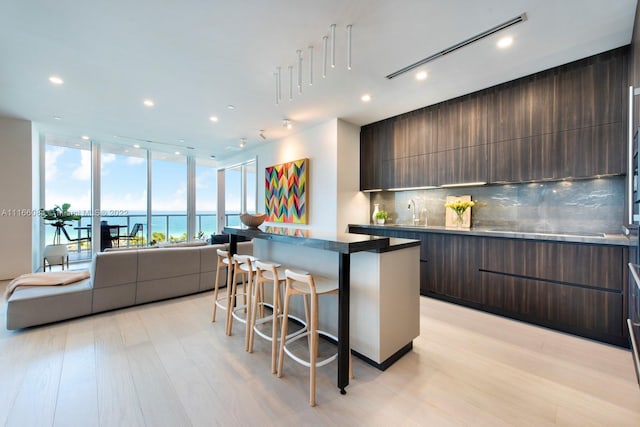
591 238
337 242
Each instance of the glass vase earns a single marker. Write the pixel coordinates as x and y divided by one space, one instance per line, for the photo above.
459 219
376 209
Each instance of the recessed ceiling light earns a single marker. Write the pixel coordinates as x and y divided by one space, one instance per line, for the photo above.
148 103
85 137
177 153
181 141
366 98
56 80
287 123
243 142
214 119
212 156
57 118
505 42
231 107
136 145
421 75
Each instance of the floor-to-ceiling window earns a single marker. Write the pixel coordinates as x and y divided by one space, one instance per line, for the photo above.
67 179
123 195
239 191
206 197
126 185
168 197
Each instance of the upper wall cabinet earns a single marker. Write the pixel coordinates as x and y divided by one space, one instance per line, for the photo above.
561 123
376 144
565 122
462 122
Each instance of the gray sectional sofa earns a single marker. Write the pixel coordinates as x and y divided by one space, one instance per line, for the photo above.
120 279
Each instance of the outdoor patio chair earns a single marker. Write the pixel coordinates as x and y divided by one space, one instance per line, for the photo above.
133 235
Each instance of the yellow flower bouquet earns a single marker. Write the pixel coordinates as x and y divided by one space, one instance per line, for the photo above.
459 206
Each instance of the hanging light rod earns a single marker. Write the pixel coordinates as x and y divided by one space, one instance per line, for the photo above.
520 18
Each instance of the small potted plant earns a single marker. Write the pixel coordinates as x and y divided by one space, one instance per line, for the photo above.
381 217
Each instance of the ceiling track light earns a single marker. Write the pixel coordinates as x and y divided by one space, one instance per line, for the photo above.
243 142
299 52
275 78
325 40
310 55
290 82
287 123
520 18
349 46
333 45
261 134
326 59
278 84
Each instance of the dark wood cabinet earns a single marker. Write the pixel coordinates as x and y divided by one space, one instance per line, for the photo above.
376 142
566 122
571 287
462 122
451 266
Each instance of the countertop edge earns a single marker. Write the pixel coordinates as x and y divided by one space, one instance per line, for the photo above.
396 244
609 239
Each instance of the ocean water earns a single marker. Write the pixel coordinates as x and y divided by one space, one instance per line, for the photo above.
171 225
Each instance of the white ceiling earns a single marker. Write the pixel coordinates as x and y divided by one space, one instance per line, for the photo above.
194 57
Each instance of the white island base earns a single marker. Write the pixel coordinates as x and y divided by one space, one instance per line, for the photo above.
384 301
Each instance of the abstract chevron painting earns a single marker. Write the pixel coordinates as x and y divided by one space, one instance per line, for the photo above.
285 192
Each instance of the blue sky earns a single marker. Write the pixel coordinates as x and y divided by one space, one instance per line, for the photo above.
68 180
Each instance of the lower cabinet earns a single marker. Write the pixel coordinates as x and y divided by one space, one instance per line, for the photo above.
571 287
576 288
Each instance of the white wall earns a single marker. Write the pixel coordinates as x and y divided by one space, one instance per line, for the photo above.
353 205
16 195
333 150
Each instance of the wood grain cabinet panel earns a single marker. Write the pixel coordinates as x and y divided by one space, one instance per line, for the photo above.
596 266
591 91
422 132
588 312
462 122
376 143
466 164
451 267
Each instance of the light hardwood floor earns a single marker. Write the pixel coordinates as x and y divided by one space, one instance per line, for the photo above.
166 364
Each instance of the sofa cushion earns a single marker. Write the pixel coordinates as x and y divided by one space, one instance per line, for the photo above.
114 268
163 288
35 305
162 263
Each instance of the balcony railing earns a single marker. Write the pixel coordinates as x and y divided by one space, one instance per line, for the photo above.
164 228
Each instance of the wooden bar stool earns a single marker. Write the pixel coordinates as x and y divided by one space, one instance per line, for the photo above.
270 273
305 284
224 261
242 264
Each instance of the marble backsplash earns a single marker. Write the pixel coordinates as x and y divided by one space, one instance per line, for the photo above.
591 205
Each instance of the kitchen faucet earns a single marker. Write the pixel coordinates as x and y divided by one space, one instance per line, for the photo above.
412 204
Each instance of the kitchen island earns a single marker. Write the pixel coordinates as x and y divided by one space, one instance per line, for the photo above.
378 304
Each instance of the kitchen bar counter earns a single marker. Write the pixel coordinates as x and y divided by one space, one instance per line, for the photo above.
577 237
378 303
